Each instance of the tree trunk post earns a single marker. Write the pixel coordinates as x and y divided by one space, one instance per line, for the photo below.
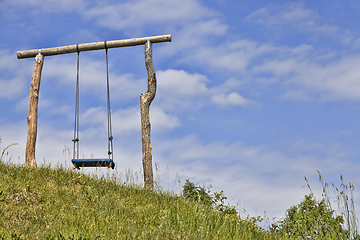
33 111
145 100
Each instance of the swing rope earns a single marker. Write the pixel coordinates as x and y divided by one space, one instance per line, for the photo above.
77 108
110 137
77 104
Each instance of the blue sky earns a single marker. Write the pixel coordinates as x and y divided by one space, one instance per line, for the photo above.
252 96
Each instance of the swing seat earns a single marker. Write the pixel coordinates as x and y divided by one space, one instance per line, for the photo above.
99 162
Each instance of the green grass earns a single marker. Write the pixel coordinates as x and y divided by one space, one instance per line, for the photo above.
58 203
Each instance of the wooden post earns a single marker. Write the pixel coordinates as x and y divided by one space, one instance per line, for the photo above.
145 100
33 111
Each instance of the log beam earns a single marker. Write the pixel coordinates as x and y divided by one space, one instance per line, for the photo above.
33 111
145 100
93 46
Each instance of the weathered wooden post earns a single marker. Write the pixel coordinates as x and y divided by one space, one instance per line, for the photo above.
33 111
145 100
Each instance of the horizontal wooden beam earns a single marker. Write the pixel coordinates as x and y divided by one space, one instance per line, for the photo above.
93 46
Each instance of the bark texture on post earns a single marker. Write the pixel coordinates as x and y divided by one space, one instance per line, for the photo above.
33 111
145 100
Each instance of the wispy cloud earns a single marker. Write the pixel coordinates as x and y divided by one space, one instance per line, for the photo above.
293 13
232 98
336 79
141 12
127 121
14 73
296 16
52 6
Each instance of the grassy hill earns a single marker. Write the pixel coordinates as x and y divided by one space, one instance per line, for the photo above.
47 203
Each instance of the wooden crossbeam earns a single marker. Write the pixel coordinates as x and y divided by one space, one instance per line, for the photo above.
92 46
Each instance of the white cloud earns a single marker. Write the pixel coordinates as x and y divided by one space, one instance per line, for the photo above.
161 121
11 87
191 23
180 90
128 121
92 77
15 75
22 104
226 57
63 69
229 85
305 20
305 73
278 67
308 147
191 35
143 12
336 80
300 95
94 116
51 6
232 98
7 60
233 56
340 79
291 13
182 83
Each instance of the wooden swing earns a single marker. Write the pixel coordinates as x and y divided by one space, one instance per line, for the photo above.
145 100
92 162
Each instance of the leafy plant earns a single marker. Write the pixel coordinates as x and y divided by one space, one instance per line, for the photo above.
197 193
312 219
318 219
204 196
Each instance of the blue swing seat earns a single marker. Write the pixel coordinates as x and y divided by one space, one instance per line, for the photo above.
99 162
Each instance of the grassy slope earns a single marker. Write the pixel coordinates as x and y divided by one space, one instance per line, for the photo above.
46 203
